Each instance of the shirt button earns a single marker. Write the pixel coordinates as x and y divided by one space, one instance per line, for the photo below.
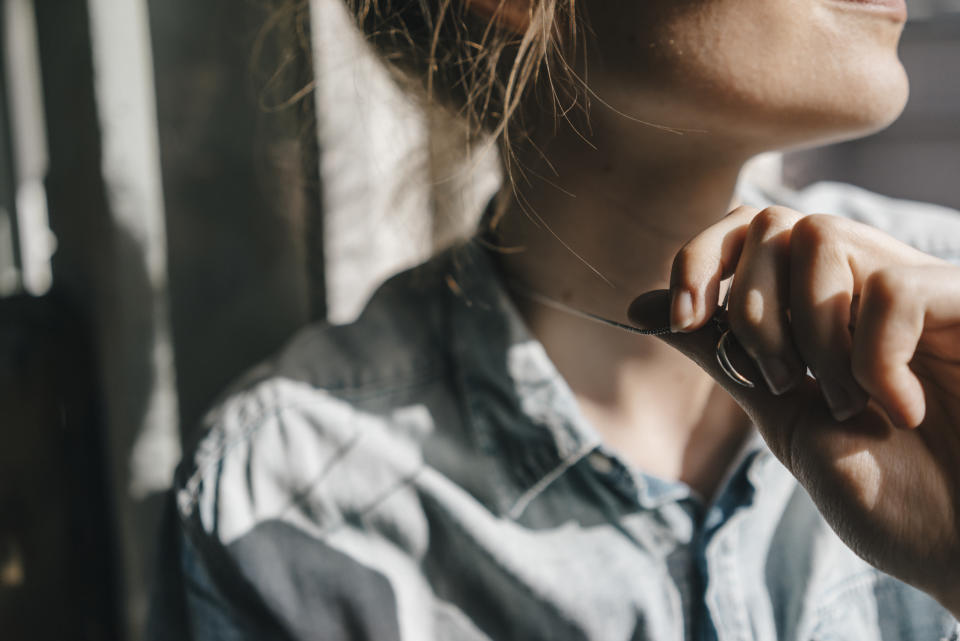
600 462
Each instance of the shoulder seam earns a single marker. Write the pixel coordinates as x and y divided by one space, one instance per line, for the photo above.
187 496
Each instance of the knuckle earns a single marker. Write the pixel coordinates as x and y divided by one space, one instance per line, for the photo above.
742 211
772 220
883 286
812 232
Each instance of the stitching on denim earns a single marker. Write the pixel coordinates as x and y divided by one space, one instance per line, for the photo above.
402 483
253 423
192 485
373 389
540 486
298 496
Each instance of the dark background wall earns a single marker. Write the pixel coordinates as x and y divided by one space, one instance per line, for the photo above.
239 184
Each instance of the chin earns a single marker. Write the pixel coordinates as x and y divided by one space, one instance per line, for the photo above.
888 102
836 108
857 106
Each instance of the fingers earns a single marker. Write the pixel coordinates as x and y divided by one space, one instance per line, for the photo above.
777 416
649 310
757 310
826 271
699 267
755 244
821 293
896 305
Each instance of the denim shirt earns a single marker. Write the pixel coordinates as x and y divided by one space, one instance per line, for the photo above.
425 473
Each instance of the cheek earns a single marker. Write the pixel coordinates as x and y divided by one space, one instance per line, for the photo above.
798 72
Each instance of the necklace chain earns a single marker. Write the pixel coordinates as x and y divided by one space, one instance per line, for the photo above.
553 303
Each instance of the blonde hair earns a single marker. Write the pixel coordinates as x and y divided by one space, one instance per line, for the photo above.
478 80
495 80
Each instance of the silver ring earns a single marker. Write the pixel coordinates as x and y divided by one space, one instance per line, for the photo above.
727 365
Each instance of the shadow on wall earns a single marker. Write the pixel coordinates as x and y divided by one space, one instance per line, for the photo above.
110 305
238 205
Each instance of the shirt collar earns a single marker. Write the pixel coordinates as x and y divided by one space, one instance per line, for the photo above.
504 370
518 404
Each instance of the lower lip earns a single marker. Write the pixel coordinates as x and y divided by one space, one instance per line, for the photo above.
895 9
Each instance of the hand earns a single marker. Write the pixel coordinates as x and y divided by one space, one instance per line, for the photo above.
875 436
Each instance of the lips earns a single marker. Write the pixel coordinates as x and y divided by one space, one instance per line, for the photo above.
895 9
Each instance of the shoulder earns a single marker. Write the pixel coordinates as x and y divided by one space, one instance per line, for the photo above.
397 338
932 229
331 423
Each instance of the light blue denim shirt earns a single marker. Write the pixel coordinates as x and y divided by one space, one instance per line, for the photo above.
425 474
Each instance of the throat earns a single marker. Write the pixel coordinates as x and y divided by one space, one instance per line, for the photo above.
675 435
658 410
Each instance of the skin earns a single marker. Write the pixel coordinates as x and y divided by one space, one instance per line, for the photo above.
641 208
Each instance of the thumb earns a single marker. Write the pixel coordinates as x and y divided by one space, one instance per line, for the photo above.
775 416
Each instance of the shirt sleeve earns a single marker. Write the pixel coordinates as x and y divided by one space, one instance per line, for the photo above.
213 613
933 229
278 582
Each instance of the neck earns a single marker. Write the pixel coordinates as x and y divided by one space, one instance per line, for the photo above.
608 236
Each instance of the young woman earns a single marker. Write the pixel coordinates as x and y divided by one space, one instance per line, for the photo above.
493 451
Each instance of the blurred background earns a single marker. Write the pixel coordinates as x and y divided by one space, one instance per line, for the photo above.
182 185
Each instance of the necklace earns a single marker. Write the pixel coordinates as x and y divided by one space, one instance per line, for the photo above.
719 320
553 303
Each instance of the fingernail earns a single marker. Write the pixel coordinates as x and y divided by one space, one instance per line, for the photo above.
777 374
650 311
681 312
837 400
843 404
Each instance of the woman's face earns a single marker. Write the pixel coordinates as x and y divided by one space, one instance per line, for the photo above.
770 73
